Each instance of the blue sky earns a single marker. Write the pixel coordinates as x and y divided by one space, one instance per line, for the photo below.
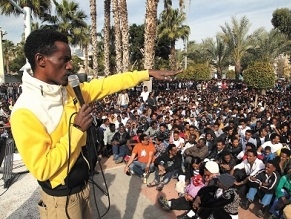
203 16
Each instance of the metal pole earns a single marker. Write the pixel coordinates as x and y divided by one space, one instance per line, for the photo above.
2 74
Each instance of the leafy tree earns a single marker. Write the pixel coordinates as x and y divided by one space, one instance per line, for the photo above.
230 74
282 21
260 75
197 72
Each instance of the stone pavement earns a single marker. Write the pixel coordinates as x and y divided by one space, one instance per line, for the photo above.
129 197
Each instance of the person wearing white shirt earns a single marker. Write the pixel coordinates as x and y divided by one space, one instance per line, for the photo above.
242 128
145 94
246 168
274 143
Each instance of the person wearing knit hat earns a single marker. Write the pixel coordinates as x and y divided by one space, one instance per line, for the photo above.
211 171
226 180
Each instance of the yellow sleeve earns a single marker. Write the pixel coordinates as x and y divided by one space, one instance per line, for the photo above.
41 155
99 88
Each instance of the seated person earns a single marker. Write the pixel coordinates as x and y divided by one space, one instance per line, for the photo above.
246 168
144 152
234 147
125 150
264 183
267 154
160 146
166 166
119 139
243 154
184 202
217 201
283 161
283 195
210 172
226 162
217 152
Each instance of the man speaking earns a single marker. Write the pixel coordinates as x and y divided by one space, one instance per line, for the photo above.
49 124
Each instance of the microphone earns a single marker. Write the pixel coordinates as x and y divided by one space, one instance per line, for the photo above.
74 83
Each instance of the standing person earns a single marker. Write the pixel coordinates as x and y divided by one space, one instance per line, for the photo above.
49 125
145 94
123 99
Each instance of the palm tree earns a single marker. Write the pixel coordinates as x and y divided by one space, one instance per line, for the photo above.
117 32
217 51
270 45
68 17
38 7
125 35
8 54
94 40
236 36
106 29
81 35
150 33
171 27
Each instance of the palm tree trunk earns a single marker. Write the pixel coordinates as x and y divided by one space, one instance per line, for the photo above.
107 36
237 69
150 33
219 72
172 57
93 15
116 16
86 62
125 35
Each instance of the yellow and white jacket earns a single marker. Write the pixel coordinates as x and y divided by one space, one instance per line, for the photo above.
40 122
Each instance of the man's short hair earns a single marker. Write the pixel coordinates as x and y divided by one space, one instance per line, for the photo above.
42 41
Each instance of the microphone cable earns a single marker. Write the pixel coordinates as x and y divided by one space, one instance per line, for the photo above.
90 145
91 148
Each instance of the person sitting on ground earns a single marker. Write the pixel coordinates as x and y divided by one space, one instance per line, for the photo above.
226 162
267 154
125 150
184 202
283 161
246 168
118 140
216 153
199 150
216 201
274 143
210 172
264 183
283 197
160 146
234 147
144 152
166 166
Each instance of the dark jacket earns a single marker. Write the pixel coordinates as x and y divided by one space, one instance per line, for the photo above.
171 164
121 138
261 176
220 207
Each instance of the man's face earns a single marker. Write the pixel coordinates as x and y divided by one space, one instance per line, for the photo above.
220 146
57 66
248 135
270 168
251 157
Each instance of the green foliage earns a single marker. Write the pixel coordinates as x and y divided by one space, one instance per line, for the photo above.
260 75
282 20
197 72
77 62
230 74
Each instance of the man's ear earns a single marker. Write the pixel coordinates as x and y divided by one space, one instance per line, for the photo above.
40 60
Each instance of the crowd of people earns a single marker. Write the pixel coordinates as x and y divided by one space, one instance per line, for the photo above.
224 146
213 135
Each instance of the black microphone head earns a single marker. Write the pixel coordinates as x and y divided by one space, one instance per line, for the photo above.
73 81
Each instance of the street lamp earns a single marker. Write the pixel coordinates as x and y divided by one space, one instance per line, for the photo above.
2 75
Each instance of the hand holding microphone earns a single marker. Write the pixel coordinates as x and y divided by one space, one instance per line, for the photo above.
83 119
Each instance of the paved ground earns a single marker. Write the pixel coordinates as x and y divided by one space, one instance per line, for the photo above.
129 197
